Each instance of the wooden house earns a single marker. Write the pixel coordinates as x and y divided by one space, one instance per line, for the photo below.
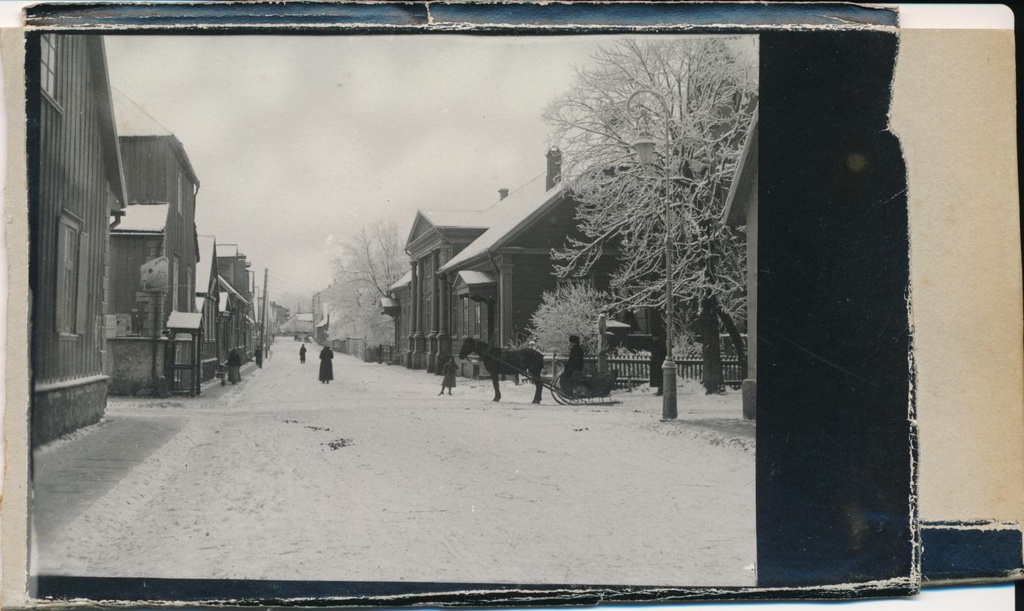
399 307
158 231
498 280
436 236
208 298
481 274
741 210
238 310
76 190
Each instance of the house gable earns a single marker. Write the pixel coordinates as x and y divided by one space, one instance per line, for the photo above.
548 229
421 226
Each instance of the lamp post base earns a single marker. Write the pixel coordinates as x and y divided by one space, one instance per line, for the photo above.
668 401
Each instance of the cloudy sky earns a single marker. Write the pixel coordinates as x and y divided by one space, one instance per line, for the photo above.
300 140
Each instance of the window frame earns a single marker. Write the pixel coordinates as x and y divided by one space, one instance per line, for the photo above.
48 54
70 279
175 281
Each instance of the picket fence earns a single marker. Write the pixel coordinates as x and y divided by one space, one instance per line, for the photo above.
635 370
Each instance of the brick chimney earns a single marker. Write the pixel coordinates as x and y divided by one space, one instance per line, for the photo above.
554 167
503 193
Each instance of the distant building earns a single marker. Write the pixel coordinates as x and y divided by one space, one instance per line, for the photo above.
277 315
78 193
321 316
300 326
239 311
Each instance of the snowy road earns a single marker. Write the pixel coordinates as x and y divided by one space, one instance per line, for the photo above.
374 477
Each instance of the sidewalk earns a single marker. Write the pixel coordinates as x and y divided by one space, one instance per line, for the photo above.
214 390
71 473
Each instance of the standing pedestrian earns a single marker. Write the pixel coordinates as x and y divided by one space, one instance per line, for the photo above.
326 367
657 362
448 369
234 366
302 353
259 358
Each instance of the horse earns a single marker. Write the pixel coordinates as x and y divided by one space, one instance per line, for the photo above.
526 361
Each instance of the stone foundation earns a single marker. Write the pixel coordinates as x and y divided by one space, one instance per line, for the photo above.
132 365
61 410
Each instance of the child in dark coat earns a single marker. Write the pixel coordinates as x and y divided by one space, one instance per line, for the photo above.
449 375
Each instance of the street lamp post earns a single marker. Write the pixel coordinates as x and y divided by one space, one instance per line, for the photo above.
644 145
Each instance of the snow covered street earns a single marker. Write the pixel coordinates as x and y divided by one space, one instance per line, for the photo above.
374 477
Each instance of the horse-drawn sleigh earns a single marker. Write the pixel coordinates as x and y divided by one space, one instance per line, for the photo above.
583 388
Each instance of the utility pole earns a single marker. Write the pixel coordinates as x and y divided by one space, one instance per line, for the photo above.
263 315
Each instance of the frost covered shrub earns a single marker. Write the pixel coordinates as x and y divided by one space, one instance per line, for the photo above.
569 310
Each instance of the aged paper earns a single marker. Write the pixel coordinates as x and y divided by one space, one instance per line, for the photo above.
954 111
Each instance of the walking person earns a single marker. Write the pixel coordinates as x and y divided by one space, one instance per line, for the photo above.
302 353
448 369
326 367
234 366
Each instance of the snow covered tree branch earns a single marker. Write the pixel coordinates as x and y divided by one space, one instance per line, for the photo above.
710 85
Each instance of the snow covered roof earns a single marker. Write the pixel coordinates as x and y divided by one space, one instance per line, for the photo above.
200 303
307 317
224 284
744 181
508 216
205 244
387 302
475 278
323 323
145 218
223 306
456 218
185 320
403 281
132 120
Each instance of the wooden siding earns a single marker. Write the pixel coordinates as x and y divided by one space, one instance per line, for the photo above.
152 167
72 181
550 229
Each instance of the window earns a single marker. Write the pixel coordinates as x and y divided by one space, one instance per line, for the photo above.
48 65
476 319
457 322
175 282
190 292
182 185
72 246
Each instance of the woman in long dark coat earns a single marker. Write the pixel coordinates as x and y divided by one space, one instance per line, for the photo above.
234 366
326 367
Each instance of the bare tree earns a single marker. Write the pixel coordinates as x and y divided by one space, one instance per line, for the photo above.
369 263
710 85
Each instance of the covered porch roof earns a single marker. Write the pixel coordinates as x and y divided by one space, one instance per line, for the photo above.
476 285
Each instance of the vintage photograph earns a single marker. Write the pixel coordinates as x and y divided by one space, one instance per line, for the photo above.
426 308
